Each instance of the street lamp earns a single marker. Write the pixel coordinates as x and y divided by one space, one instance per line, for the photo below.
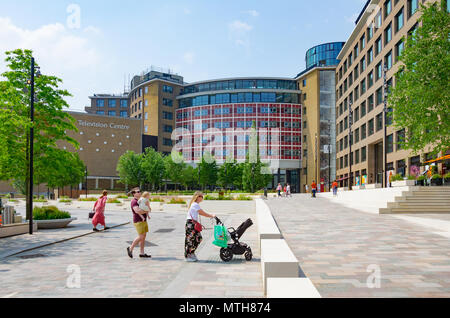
86 181
329 155
31 141
385 112
350 157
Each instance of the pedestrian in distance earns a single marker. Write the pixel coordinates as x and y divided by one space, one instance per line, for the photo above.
140 223
279 188
99 209
335 188
288 191
193 227
314 189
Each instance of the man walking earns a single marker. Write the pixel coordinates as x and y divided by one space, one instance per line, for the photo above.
335 188
314 189
140 223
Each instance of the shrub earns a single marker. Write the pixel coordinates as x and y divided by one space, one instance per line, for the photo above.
113 201
40 201
412 177
397 177
421 178
65 201
50 213
158 199
447 175
87 199
176 201
221 198
243 197
122 196
436 176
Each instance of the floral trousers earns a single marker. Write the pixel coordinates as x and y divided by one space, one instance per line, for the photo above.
192 240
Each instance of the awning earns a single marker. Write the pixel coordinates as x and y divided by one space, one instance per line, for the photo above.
446 157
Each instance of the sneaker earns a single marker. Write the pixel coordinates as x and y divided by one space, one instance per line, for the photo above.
95 230
194 257
191 259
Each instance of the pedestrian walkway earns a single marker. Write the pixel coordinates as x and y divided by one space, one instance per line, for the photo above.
106 270
342 250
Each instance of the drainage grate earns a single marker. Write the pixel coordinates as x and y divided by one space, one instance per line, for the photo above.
32 256
165 230
146 243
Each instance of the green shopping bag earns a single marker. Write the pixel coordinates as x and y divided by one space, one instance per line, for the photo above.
220 236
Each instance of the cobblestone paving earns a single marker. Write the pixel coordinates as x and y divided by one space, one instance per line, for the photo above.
106 270
336 247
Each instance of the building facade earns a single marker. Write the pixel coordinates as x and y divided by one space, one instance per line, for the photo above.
109 105
317 84
375 44
217 116
153 101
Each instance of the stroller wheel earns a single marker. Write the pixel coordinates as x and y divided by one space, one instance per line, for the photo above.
226 254
248 255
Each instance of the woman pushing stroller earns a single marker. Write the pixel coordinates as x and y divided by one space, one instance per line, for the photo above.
194 227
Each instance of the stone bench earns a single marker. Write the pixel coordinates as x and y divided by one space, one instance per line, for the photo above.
277 261
291 288
16 229
267 228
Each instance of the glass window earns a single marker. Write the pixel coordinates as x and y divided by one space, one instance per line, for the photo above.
363 42
112 113
379 121
112 103
123 114
379 96
363 132
363 154
123 103
100 112
370 104
399 20
412 7
371 127
370 56
388 60
388 34
363 64
378 46
387 8
100 103
400 138
370 79
390 143
399 47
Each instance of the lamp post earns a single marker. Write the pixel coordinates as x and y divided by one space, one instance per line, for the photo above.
385 111
86 181
315 154
329 155
350 157
31 143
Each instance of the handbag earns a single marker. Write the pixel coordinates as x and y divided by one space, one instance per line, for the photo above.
91 215
197 225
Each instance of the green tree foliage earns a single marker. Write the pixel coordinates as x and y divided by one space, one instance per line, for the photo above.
230 174
207 171
421 97
174 170
189 177
153 167
130 169
51 125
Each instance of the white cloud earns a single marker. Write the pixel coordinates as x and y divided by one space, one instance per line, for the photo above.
239 33
239 27
188 57
69 54
253 13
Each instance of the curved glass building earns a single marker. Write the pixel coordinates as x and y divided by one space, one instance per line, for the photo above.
217 116
324 54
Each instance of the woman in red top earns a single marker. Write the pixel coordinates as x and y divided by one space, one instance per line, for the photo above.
99 208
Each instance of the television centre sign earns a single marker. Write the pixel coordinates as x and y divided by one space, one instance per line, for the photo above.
84 123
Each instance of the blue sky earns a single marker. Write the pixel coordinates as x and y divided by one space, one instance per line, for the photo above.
199 40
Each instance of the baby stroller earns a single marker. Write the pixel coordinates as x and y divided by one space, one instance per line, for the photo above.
236 248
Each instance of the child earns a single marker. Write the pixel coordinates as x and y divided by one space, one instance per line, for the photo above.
144 205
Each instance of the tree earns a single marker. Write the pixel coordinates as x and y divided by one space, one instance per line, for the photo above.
130 169
230 174
174 171
421 97
153 167
207 171
255 174
189 176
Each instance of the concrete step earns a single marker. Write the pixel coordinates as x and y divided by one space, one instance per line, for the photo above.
413 211
415 205
416 199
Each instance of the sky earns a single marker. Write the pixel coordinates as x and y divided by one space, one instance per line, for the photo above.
95 45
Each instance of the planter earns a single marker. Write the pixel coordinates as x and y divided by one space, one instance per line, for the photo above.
53 224
447 182
374 186
403 183
420 183
436 182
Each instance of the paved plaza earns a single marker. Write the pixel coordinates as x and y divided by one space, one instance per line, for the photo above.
341 249
106 270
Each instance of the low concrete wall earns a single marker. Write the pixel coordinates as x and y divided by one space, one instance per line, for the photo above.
367 200
291 288
277 260
267 227
16 229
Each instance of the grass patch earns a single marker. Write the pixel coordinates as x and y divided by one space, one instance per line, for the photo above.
176 201
219 198
87 199
243 197
40 201
49 213
121 196
65 201
113 201
158 199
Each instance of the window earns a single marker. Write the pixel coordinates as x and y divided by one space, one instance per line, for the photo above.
124 114
304 83
399 47
363 64
100 112
356 51
168 128
123 103
363 132
140 92
362 42
387 8
379 95
388 60
370 56
369 33
357 135
379 121
378 20
168 89
146 116
400 139
388 34
363 86
399 20
112 103
363 154
357 156
379 71
390 143
146 89
412 7
168 116
167 142
363 109
378 46
112 113
100 103
370 79
371 127
167 102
